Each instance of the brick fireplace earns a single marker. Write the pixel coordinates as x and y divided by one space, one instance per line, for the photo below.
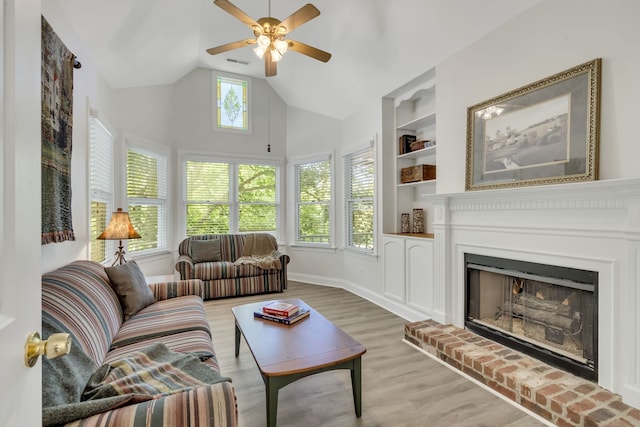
592 227
553 394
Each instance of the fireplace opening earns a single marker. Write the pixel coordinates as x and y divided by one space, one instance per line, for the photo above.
548 312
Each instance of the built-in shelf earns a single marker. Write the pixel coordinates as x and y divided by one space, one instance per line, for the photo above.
417 235
409 115
428 151
418 123
418 183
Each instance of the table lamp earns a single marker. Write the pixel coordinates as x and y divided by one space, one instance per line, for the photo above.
120 229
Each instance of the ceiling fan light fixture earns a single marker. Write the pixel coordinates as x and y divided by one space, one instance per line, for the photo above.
281 46
275 55
263 41
259 51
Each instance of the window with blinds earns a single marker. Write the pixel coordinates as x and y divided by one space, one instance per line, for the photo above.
313 202
147 199
359 200
101 188
208 201
257 197
230 197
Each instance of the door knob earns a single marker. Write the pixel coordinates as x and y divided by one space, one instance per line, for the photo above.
57 345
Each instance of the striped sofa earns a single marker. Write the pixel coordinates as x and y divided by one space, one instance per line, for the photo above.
223 279
78 299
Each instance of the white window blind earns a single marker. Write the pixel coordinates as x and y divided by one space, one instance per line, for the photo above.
207 197
231 197
313 203
359 200
257 198
147 199
101 187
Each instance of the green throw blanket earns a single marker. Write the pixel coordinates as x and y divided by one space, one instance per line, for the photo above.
150 373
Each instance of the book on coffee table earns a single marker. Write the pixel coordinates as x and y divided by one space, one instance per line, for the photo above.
286 320
280 308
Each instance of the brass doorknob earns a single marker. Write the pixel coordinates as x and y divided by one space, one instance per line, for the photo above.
57 345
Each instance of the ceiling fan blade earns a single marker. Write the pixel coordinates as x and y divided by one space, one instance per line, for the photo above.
229 46
237 13
311 51
305 14
270 68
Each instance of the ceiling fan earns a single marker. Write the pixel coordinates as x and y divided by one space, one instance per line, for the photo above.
270 35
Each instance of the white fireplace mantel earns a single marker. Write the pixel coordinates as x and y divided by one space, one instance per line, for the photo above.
591 226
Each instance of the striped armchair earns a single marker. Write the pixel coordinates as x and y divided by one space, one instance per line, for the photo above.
78 299
224 278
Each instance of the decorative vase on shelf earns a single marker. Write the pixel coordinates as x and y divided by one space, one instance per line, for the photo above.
404 223
418 221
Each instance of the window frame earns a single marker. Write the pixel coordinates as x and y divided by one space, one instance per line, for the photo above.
214 103
234 202
296 164
348 235
108 196
151 149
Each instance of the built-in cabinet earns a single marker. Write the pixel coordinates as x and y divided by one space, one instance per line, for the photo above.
408 271
409 257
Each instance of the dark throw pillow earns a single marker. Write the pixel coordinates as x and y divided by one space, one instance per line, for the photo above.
129 284
205 250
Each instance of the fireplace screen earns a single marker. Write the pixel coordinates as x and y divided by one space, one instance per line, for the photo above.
549 316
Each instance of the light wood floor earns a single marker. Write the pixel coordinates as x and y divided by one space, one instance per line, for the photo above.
401 386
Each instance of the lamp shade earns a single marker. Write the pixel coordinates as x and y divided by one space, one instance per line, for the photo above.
119 227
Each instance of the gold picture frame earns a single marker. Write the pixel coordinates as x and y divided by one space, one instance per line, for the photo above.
544 133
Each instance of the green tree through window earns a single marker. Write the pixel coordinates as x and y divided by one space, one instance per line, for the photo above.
313 188
257 198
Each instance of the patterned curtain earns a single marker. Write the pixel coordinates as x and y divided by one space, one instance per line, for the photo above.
57 124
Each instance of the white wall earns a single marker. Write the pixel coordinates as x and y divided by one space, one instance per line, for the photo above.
550 37
310 134
192 127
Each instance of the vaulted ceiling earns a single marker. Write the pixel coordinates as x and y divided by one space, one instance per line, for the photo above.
376 45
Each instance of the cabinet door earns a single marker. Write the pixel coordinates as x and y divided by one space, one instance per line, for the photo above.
394 268
419 257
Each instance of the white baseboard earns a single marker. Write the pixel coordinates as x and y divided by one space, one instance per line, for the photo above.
380 300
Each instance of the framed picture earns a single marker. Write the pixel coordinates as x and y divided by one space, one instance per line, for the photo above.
542 133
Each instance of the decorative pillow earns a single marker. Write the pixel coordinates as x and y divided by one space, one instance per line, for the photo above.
129 284
205 250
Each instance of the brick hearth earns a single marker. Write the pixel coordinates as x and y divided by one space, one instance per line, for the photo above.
555 395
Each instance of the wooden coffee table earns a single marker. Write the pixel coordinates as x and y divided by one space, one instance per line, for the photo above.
286 353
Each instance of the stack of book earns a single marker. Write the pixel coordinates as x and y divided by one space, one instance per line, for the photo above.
282 312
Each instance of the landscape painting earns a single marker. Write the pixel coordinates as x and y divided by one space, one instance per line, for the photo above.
533 136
